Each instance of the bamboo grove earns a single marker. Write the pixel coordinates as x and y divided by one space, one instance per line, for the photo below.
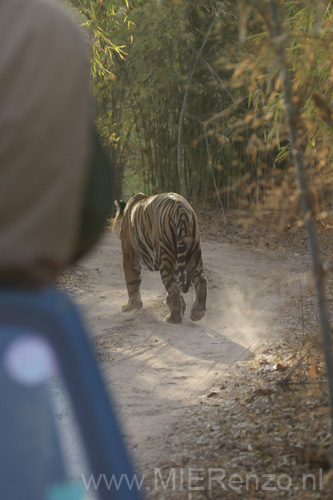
189 99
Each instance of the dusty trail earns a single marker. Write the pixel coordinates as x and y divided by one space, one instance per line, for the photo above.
155 369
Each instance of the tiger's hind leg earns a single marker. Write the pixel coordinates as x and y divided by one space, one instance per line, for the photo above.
198 309
174 299
132 271
175 305
168 301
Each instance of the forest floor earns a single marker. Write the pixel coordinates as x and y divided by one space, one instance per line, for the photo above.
205 407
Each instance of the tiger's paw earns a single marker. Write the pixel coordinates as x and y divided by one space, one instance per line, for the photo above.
197 314
132 306
173 318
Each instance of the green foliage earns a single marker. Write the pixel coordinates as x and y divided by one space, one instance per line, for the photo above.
188 96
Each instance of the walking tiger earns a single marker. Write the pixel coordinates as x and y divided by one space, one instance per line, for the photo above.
162 233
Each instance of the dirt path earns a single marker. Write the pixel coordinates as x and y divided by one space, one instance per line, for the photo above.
156 370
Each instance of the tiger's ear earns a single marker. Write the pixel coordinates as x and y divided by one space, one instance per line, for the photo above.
120 205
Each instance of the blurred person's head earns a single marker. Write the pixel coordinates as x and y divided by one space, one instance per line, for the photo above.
44 137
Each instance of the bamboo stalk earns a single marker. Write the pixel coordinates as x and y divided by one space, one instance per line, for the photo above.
182 112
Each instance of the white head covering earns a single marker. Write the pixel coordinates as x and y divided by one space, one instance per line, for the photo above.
44 136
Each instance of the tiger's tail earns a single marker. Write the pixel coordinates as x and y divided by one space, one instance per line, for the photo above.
182 242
